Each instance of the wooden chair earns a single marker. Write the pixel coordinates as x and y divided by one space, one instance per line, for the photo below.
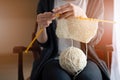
20 49
107 50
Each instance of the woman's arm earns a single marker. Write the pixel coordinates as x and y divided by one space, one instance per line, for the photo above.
95 9
43 21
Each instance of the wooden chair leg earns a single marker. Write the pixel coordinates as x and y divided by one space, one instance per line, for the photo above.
20 66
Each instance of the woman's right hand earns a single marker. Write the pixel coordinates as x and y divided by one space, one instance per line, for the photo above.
45 19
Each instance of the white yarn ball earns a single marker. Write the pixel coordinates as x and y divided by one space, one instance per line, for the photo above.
73 60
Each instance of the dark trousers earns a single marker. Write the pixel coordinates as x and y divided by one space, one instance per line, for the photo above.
53 71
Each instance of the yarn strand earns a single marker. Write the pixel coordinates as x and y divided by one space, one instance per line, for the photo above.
72 42
86 51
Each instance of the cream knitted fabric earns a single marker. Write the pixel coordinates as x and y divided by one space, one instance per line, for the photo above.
76 29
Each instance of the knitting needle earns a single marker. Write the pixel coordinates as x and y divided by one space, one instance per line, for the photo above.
98 20
37 35
93 19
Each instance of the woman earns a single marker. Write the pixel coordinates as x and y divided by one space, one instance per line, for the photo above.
48 68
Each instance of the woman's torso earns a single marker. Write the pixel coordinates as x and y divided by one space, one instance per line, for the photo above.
65 43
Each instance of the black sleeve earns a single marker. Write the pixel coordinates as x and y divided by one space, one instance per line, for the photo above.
47 43
41 8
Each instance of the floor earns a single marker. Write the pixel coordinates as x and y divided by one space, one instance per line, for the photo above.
8 66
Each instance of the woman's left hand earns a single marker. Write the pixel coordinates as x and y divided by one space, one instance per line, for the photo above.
69 10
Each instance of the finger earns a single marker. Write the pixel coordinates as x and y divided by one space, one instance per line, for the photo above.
46 16
58 8
46 24
66 5
49 16
66 15
44 21
63 9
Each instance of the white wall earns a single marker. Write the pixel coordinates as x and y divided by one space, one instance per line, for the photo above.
17 22
115 67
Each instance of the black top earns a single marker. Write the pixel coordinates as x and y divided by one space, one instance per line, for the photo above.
50 48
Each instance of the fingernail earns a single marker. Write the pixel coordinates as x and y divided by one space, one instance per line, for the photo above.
53 10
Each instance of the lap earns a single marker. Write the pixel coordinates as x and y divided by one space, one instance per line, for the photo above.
53 70
90 72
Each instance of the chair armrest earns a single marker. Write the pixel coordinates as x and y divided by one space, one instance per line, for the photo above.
20 50
109 48
107 52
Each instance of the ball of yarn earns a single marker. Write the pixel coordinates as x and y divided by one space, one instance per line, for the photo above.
73 60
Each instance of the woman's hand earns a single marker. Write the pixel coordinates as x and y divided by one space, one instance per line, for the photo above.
69 10
45 19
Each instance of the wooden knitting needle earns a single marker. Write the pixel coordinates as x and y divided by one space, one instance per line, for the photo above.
37 35
98 20
93 19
